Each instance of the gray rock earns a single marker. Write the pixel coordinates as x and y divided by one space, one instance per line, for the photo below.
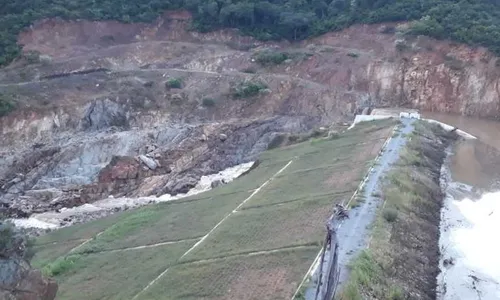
19 282
181 185
222 137
45 194
149 162
217 183
102 114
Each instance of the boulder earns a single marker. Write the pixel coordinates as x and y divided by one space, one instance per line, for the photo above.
44 195
149 162
217 183
181 185
222 137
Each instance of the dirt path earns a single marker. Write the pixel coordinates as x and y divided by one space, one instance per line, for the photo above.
353 233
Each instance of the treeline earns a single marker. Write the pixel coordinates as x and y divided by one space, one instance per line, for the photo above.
475 22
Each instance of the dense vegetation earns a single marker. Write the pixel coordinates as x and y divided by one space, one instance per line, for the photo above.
469 21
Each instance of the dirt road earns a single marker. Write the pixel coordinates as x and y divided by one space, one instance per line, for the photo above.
353 233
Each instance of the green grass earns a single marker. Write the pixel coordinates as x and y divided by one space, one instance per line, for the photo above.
119 275
270 276
170 221
302 184
82 231
44 254
267 228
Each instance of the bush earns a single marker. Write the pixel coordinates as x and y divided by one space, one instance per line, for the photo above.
61 265
249 70
6 105
276 141
14 243
248 89
208 102
268 58
390 215
173 83
453 63
395 293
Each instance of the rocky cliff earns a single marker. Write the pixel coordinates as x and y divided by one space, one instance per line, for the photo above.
143 109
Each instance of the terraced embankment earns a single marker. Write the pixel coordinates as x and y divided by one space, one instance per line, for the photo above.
252 239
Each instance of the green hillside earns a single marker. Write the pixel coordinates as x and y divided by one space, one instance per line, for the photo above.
473 22
254 238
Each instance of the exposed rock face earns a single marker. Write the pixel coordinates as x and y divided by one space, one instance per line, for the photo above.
84 117
102 114
19 282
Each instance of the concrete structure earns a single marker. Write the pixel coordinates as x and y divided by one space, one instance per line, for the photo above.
410 115
365 118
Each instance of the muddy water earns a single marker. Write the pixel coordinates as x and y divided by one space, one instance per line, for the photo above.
475 162
470 260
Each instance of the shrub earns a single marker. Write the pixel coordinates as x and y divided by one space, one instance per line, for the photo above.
31 57
453 63
395 293
276 141
173 83
208 102
14 243
6 105
390 215
249 70
61 265
248 89
388 30
267 58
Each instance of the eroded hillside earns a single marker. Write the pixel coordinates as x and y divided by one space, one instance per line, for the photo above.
101 94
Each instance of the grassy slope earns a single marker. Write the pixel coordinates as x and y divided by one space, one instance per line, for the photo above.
286 215
403 256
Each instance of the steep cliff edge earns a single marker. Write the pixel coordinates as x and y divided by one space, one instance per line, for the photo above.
101 95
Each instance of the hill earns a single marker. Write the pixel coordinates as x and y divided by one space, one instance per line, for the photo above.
471 22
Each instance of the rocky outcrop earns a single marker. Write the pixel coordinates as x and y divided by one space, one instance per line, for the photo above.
102 114
18 281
